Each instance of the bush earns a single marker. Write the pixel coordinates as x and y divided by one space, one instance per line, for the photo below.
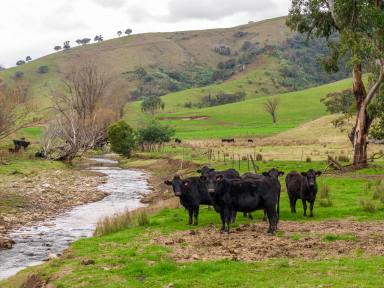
122 138
154 133
368 205
19 74
43 69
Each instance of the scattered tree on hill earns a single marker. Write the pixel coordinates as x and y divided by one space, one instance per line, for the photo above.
122 138
119 33
57 48
361 28
66 45
43 69
28 58
153 135
98 38
19 74
340 102
151 104
14 109
20 62
78 41
128 31
270 106
82 115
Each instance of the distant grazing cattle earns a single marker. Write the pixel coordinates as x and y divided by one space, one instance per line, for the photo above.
178 141
250 141
192 192
246 195
302 186
229 140
41 154
21 143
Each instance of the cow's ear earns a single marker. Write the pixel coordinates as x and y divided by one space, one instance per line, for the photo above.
219 177
281 173
265 174
198 171
318 173
304 174
167 182
203 178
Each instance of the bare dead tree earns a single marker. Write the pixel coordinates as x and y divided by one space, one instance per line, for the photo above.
81 116
15 111
270 106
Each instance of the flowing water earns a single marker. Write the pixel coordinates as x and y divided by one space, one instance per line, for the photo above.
35 243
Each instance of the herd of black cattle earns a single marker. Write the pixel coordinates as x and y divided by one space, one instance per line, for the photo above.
229 193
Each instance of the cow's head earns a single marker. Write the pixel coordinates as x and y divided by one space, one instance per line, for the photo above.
273 173
311 177
177 184
205 171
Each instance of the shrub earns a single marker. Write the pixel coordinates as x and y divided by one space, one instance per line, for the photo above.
19 74
154 133
142 218
368 205
122 138
43 69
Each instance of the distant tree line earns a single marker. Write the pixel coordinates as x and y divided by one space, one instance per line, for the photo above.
220 98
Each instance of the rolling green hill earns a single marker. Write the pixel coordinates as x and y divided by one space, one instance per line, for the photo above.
241 119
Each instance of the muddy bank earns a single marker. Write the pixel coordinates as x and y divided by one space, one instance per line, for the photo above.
249 242
46 194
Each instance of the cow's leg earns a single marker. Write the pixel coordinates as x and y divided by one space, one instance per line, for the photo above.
272 218
232 216
304 207
196 214
222 221
292 204
228 219
190 212
311 204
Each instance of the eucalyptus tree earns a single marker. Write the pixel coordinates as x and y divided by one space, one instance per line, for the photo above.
360 27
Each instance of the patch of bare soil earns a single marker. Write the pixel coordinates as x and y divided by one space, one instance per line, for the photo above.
184 118
47 194
250 242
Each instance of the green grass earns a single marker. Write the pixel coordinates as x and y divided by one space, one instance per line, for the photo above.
242 119
15 166
128 259
339 237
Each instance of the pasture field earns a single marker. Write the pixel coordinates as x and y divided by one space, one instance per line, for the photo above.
241 119
135 257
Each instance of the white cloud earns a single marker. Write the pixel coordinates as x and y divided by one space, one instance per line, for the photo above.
110 3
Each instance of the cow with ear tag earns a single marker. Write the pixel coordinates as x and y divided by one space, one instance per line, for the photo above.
302 186
192 192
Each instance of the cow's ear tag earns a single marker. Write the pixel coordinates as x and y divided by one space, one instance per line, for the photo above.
185 183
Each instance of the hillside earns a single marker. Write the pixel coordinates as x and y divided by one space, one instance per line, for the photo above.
242 119
160 63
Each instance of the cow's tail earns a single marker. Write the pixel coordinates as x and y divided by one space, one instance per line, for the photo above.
278 206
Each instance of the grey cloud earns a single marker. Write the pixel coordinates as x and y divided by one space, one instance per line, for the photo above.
110 3
214 10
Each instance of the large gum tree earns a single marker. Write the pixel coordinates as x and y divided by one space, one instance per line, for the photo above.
360 26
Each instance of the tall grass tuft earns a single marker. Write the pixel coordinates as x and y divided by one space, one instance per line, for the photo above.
378 191
368 205
142 218
325 200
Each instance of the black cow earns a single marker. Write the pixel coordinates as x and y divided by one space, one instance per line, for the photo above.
210 177
302 186
250 141
178 141
229 140
273 174
193 193
21 143
246 195
41 154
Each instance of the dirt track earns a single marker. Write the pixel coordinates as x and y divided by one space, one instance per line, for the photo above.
249 242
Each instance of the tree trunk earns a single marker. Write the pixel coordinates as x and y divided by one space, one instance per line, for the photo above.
359 133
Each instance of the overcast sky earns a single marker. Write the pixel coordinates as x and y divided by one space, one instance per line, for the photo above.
34 27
